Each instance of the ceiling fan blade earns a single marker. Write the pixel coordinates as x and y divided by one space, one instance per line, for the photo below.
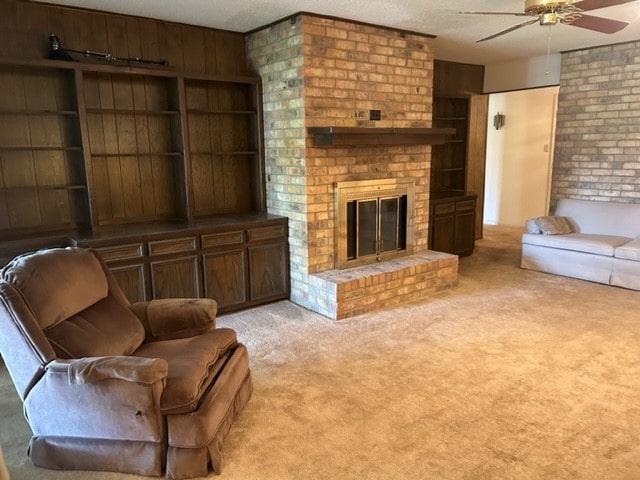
598 24
587 5
518 14
508 30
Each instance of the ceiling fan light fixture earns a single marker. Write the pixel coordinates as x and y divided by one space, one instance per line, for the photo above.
541 7
569 12
550 18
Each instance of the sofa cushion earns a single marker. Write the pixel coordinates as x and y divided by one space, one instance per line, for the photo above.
579 242
193 364
553 225
601 218
629 251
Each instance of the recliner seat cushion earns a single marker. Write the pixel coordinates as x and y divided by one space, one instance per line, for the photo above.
57 283
193 365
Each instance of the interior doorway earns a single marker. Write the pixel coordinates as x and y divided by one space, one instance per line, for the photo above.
519 155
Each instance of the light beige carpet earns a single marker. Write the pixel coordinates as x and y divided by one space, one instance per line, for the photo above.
511 375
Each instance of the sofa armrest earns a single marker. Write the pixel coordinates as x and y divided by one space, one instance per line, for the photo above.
167 319
532 226
99 397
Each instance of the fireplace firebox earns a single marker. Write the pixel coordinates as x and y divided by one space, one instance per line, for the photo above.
374 220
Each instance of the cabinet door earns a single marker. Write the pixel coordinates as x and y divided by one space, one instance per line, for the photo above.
465 233
267 267
443 227
465 227
224 278
174 268
126 263
131 280
175 278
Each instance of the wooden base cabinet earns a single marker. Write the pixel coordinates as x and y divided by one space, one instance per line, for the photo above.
239 263
225 276
452 224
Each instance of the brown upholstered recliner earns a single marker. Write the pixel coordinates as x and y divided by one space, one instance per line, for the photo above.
109 385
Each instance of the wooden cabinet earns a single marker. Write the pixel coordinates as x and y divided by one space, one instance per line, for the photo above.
171 259
267 262
224 145
133 149
452 224
85 145
239 262
126 262
43 186
449 160
458 166
161 171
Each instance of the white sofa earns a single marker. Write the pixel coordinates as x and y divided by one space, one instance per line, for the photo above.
604 245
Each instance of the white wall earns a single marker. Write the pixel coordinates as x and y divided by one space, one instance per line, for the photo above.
519 156
521 74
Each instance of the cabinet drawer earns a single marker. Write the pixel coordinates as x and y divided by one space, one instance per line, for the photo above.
265 233
223 238
466 205
442 208
174 245
120 252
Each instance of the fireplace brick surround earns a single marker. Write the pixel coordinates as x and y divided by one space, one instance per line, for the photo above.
319 71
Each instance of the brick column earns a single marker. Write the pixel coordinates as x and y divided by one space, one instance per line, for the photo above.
320 71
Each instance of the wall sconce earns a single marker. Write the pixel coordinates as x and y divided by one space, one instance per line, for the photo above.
498 120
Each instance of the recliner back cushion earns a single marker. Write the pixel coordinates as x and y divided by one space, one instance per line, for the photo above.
57 283
105 328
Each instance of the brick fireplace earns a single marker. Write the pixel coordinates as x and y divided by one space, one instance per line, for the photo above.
317 72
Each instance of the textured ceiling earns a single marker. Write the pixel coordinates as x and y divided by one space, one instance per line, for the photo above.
456 34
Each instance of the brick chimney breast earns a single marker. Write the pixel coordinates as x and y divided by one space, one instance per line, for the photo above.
320 71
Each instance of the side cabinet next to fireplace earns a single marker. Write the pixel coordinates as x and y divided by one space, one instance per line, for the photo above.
452 224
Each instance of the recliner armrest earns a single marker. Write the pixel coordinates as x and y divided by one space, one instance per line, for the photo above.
171 318
95 369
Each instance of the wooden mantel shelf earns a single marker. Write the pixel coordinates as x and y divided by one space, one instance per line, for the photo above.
366 136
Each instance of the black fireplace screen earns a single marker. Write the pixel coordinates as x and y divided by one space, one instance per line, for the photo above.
376 226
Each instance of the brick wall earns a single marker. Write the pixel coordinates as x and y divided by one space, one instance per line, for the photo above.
597 151
320 71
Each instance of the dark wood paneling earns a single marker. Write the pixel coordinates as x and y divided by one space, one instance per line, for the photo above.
451 78
26 27
476 155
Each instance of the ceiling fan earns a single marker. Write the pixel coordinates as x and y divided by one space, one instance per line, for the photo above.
550 12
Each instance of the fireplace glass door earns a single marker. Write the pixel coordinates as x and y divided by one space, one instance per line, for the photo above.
376 226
